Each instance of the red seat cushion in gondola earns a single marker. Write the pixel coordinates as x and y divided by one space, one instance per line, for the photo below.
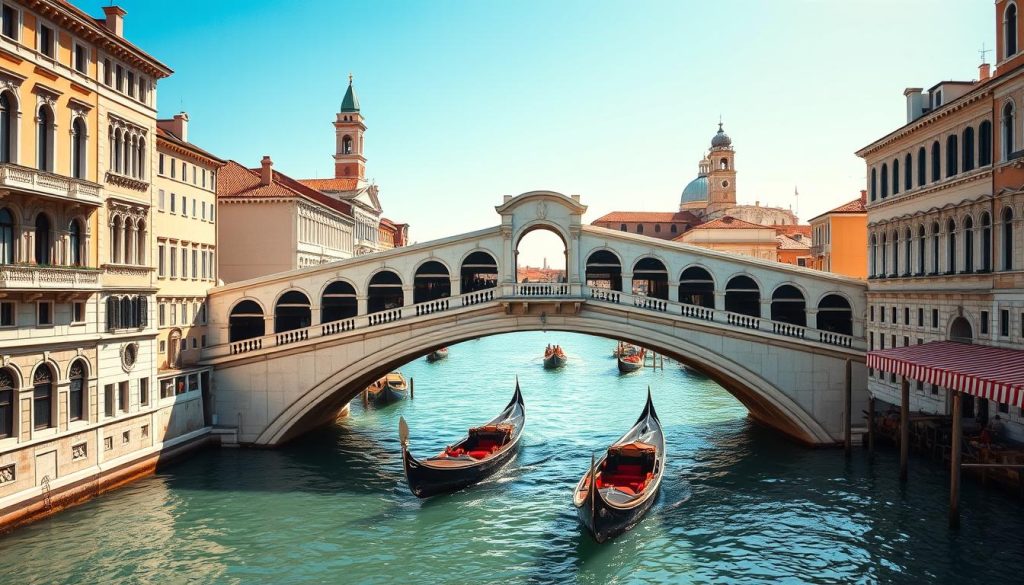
478 454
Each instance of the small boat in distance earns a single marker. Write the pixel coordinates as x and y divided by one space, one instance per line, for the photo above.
437 355
554 357
387 389
631 358
621 486
483 451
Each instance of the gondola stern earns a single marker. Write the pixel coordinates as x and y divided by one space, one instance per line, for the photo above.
648 411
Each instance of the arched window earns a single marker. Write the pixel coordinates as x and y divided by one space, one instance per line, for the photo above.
885 180
968 244
44 139
895 176
1007 239
8 391
968 149
479 271
42 397
657 228
874 255
1010 31
986 242
650 278
639 228
622 227
78 149
8 121
140 243
922 175
6 236
43 239
874 183
742 295
338 302
908 172
789 306
960 330
936 161
246 321
697 287
908 249
951 246
922 235
724 164
952 152
885 255
74 243
935 247
895 253
674 229
985 143
346 145
116 240
835 315
78 391
140 166
1007 130
385 292
118 151
431 282
291 312
604 270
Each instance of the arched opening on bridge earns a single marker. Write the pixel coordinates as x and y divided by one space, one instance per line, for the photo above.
743 296
960 330
541 256
385 292
604 270
338 302
479 272
246 321
789 306
292 312
835 315
431 282
696 287
650 278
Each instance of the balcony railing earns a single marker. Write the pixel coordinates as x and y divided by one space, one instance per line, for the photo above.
48 277
48 184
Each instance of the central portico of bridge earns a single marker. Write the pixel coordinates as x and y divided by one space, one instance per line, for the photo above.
291 349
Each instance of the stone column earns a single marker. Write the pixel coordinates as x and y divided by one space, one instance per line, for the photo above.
407 296
29 256
766 309
627 283
719 300
361 305
673 291
812 318
122 257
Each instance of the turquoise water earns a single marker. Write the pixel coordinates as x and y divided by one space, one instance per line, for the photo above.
739 504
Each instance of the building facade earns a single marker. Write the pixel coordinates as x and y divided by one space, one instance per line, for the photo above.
728 234
844 230
945 198
77 335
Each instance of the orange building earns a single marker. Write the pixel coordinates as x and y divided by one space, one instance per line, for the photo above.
845 226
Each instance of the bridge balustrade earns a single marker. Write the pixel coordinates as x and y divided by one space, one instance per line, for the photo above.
839 339
526 289
650 303
741 320
431 307
609 296
475 298
788 329
697 312
337 327
246 345
382 317
292 336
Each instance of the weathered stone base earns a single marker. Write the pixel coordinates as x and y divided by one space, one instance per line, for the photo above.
30 505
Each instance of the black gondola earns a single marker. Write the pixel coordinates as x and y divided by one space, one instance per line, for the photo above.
554 358
631 358
390 388
627 479
437 355
483 451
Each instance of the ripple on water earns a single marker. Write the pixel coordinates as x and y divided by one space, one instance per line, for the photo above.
738 504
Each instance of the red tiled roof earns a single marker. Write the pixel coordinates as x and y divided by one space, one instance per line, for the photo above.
789 230
113 38
342 184
731 223
648 217
855 206
163 134
234 180
788 243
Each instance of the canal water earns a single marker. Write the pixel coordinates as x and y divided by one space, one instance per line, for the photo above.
739 504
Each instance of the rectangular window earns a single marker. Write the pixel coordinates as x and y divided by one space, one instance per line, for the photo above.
81 58
108 443
160 261
166 388
144 391
881 341
126 437
881 314
143 90
184 171
163 346
122 395
984 322
872 313
195 257
46 41
184 262
871 341
935 318
920 317
204 211
7 314
174 261
78 312
174 314
193 382
193 207
906 315
195 343
174 202
179 385
894 315
202 341
893 337
162 318
204 264
131 83
1004 323
173 172
184 206
906 341
107 73
108 400
44 313
145 431
119 77
10 22
161 164
193 174
184 318
204 178
160 199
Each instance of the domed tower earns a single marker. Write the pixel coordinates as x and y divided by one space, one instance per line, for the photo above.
722 176
349 161
695 195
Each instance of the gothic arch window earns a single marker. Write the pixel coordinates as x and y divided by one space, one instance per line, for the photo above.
895 176
922 175
986 242
985 143
1008 238
968 149
116 241
951 155
885 180
140 166
885 254
874 183
968 244
1007 130
1010 31
8 127
908 252
44 138
874 254
908 172
78 390
951 246
75 243
140 243
78 148
43 240
6 236
922 235
8 393
42 397
118 141
936 161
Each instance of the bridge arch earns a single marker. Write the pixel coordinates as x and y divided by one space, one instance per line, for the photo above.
338 300
475 270
384 290
835 314
697 286
431 280
743 295
789 305
603 264
292 310
652 272
246 320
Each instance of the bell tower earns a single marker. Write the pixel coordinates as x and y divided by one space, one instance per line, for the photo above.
349 161
722 177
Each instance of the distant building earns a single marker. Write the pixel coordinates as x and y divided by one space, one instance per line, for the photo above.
844 230
728 234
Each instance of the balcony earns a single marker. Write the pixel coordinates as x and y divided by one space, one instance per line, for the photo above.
46 184
21 276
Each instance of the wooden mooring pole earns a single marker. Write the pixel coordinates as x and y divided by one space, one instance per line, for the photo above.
412 388
954 463
847 409
904 427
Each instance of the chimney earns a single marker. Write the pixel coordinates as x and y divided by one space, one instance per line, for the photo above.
863 195
267 171
916 101
180 126
984 71
115 19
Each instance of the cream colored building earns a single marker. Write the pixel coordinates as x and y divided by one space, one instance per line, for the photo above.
185 227
77 283
736 236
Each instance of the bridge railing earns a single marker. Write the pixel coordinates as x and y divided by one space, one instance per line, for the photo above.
541 289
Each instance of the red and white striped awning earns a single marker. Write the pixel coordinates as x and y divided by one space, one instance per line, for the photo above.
988 372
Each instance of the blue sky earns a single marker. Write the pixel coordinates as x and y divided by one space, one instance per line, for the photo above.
469 100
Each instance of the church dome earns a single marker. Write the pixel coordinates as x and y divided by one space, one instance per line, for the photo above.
695 191
721 139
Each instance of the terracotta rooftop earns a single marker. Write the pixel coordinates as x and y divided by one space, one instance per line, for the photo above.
731 223
648 217
788 243
172 138
789 230
239 182
343 184
858 205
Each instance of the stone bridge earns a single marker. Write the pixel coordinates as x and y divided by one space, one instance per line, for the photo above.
293 348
